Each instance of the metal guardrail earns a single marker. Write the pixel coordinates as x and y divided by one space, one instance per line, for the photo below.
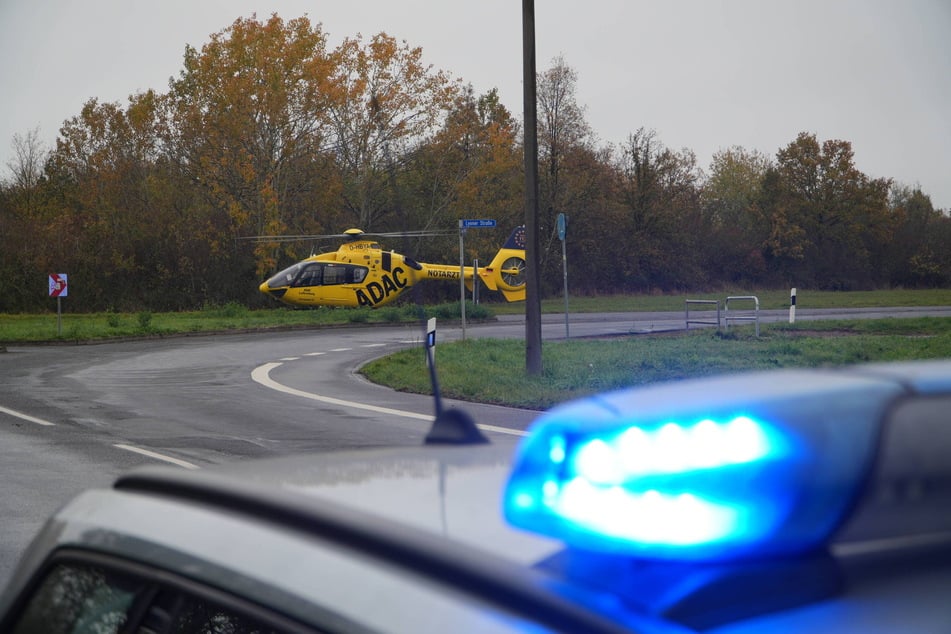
701 322
727 317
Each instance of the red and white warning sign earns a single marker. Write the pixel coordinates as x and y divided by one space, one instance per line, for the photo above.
58 286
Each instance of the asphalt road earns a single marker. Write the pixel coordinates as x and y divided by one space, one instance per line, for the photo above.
76 416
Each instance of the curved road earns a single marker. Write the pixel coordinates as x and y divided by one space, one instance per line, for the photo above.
72 417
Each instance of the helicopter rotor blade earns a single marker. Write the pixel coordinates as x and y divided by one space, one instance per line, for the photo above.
346 236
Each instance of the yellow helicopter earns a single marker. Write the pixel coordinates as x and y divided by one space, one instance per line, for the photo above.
361 273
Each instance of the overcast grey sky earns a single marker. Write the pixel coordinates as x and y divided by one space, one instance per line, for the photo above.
704 74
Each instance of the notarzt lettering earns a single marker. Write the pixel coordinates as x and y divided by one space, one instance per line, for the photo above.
375 292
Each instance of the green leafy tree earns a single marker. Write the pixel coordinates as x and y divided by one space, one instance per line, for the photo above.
736 229
841 213
101 171
784 250
661 194
917 253
597 238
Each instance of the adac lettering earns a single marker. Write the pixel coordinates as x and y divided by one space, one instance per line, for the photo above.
375 292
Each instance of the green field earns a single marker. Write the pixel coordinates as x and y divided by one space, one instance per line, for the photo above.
69 328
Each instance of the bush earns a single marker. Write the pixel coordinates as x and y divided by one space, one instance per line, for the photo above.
359 316
145 319
391 315
230 310
451 311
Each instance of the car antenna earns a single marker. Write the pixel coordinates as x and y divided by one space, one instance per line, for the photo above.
452 426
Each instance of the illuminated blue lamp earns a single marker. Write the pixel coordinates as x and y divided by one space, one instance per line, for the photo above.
707 470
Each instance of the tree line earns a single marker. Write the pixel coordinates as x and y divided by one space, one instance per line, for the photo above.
267 130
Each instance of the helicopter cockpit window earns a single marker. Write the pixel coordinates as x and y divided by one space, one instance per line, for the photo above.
285 277
335 274
344 274
310 276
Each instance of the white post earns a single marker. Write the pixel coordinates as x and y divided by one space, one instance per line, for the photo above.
475 281
792 306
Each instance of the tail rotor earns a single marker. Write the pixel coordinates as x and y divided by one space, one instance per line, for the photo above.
506 272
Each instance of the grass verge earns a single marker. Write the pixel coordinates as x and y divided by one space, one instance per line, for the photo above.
16 328
768 300
231 317
493 371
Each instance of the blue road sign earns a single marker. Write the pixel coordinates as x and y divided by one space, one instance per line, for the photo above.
466 224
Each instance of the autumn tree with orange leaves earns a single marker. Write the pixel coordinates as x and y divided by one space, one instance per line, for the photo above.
388 103
248 121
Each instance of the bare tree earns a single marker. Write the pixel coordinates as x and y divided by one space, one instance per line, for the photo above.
561 121
29 157
562 131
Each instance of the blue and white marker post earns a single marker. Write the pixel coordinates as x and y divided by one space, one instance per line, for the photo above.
431 340
792 306
430 345
562 230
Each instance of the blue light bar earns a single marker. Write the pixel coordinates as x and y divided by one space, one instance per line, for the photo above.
714 469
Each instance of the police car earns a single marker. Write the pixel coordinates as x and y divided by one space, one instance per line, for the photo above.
789 501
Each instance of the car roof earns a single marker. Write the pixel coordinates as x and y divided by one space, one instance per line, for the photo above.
301 530
453 491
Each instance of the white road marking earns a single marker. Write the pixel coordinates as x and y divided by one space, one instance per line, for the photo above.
314 354
144 452
373 345
27 417
502 430
341 349
262 375
157 456
290 358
